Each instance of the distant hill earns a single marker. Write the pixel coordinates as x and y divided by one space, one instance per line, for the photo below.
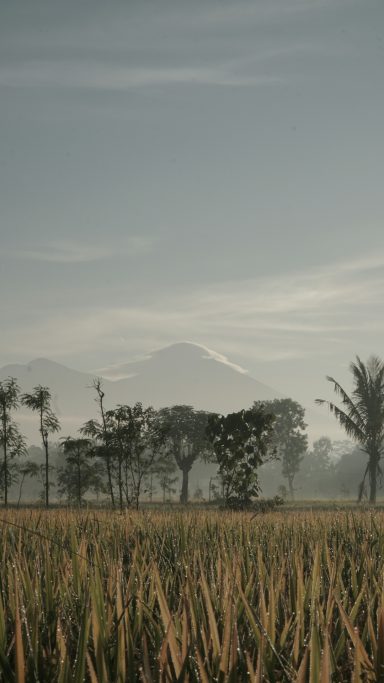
180 373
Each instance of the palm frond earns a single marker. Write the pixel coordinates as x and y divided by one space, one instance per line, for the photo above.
369 393
352 428
363 419
352 408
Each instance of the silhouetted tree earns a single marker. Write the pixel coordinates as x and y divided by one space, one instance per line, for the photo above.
363 414
11 439
167 477
185 439
134 441
321 453
347 474
289 438
215 488
241 442
146 440
317 474
27 469
120 426
81 472
99 431
39 401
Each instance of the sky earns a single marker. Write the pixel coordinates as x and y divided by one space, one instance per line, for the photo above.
209 171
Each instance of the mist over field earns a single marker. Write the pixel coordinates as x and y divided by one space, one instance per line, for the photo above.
182 373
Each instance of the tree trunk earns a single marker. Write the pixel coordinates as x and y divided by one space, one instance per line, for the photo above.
373 479
291 489
106 442
5 476
44 437
78 482
126 484
46 475
20 489
184 487
120 484
137 496
5 437
110 485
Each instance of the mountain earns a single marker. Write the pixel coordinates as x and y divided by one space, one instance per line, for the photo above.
72 399
189 373
180 373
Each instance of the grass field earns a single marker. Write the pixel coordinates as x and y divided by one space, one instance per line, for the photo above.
194 596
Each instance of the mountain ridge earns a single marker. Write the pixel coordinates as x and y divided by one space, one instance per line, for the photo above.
183 372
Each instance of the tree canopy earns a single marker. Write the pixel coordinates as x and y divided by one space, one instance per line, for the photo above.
241 442
185 438
289 437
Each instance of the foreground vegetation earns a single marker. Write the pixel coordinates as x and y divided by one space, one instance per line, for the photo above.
193 596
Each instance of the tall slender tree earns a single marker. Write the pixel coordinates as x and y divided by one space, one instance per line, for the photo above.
119 422
11 439
100 431
39 401
362 415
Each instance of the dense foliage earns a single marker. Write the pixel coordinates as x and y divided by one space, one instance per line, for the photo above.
185 439
241 442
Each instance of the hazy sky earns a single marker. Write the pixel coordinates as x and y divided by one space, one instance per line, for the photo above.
193 170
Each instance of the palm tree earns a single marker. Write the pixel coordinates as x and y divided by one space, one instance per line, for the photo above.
39 401
363 414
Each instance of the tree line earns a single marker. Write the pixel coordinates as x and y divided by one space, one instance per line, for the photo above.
120 451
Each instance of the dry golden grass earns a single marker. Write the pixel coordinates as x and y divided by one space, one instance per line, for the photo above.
194 596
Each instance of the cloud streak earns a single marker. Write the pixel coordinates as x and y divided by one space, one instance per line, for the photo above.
119 77
268 319
72 252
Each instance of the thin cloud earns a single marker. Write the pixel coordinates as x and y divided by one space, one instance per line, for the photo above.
368 262
220 358
68 253
293 316
119 77
241 13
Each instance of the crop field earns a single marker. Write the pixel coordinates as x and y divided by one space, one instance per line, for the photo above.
191 596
